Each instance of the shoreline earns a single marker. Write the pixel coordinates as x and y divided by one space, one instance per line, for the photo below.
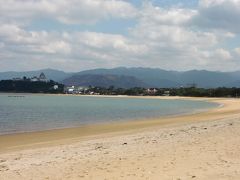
25 140
199 146
196 111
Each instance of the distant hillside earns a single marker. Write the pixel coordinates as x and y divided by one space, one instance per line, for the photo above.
104 81
55 75
162 78
207 79
152 77
144 77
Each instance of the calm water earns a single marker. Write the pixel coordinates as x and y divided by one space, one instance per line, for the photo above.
42 112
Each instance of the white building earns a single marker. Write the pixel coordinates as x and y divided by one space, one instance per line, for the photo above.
34 79
41 78
152 91
55 87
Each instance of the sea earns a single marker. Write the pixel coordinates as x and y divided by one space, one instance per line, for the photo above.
34 112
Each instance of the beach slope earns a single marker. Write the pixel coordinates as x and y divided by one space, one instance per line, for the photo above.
205 145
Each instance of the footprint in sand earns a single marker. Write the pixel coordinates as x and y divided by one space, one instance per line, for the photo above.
17 158
2 160
3 168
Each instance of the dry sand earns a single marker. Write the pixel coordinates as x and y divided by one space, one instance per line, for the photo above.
200 146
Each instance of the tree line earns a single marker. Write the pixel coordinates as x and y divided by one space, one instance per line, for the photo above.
48 87
31 87
187 91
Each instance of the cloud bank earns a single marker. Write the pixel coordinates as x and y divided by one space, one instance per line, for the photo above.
176 38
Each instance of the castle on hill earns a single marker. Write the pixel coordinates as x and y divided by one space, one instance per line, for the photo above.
41 78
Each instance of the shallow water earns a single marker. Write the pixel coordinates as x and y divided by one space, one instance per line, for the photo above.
28 112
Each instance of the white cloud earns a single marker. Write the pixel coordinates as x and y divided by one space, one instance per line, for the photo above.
222 54
56 47
237 51
169 38
162 16
218 14
210 3
109 42
91 11
30 42
65 11
80 48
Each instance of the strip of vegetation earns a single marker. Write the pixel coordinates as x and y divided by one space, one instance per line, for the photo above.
27 86
189 91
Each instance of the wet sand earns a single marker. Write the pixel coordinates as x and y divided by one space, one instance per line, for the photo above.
199 146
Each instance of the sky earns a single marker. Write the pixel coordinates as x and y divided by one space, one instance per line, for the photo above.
75 35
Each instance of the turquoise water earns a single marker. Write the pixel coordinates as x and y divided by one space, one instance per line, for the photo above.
23 113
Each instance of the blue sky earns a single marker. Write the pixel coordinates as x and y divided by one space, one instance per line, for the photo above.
116 26
176 3
74 35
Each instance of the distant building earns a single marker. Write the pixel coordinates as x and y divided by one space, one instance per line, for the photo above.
41 78
166 93
151 91
76 90
34 79
55 87
70 90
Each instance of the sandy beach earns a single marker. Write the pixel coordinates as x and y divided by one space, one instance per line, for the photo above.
205 145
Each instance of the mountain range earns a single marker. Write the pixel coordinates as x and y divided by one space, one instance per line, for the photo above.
104 80
136 77
53 74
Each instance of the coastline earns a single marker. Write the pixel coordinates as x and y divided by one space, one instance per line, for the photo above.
174 114
24 140
205 145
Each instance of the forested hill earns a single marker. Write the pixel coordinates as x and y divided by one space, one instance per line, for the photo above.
30 87
118 81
